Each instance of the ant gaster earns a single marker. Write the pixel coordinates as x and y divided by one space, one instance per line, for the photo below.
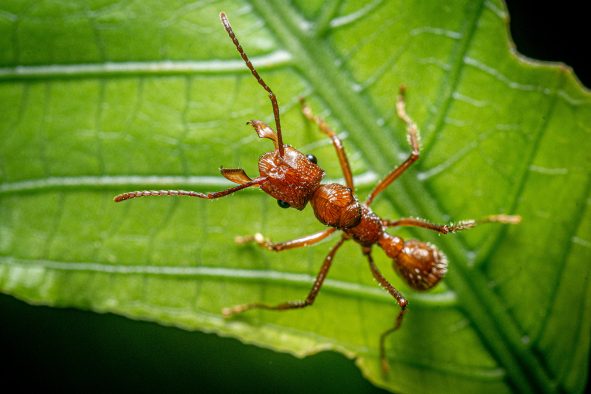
293 179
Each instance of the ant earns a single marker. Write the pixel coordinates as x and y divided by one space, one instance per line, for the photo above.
293 179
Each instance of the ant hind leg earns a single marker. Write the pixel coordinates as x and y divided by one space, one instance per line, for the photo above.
402 302
384 336
320 277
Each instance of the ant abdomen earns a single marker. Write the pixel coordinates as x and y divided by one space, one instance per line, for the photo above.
420 264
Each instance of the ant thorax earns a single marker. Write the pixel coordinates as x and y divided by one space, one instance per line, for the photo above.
336 206
291 178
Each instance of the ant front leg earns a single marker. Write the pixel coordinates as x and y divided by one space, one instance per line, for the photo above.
228 312
413 139
260 240
402 302
336 142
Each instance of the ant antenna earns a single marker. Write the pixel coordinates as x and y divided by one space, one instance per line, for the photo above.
254 72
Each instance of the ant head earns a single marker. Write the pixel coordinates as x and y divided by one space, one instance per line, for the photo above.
291 176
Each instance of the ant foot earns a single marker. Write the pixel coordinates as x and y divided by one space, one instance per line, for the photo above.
385 368
244 239
234 310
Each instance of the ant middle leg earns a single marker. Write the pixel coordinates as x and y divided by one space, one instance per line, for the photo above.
402 302
412 132
452 227
320 277
260 240
336 142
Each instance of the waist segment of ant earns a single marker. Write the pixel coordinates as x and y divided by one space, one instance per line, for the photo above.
293 179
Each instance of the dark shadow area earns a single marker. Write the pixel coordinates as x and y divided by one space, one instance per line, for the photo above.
554 31
67 350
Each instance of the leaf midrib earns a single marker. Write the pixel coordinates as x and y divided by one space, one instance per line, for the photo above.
354 115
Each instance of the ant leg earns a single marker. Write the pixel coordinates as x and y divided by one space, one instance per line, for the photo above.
280 246
227 312
452 227
208 196
336 141
413 138
402 302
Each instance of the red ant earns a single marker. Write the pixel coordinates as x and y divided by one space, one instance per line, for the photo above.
293 179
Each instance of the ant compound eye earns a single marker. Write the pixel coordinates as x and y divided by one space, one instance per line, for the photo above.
283 204
312 158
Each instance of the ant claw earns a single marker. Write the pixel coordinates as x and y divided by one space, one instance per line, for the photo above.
244 239
227 313
234 310
385 368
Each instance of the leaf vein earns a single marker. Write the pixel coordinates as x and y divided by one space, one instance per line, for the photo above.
437 300
273 60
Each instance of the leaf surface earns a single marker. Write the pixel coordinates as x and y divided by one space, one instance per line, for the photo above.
102 97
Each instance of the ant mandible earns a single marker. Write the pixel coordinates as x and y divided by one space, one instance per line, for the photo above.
293 179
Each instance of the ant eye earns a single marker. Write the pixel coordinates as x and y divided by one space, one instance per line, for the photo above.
312 158
282 204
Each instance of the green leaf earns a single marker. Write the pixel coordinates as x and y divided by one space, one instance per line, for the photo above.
101 97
